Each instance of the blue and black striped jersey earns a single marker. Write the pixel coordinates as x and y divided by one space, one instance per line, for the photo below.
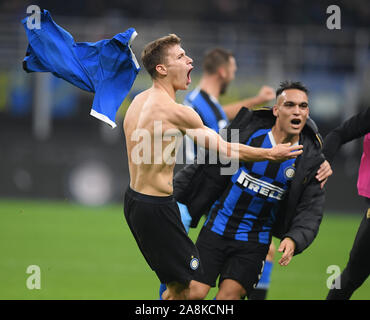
208 108
247 209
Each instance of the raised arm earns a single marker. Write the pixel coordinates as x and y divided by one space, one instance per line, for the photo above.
264 95
189 122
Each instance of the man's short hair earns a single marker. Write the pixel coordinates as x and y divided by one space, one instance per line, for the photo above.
155 52
286 85
215 58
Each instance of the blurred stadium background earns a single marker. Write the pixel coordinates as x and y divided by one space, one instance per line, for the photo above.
63 173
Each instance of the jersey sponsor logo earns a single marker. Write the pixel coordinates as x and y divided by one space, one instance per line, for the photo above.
259 186
194 263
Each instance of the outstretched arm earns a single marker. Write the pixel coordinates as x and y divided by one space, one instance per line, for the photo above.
189 122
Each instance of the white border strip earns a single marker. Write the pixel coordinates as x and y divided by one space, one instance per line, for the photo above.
133 36
103 118
272 139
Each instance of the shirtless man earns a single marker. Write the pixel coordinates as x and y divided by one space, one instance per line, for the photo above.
150 209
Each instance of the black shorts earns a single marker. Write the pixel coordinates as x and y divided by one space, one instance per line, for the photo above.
156 225
231 259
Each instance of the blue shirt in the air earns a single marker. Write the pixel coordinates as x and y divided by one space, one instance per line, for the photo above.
107 67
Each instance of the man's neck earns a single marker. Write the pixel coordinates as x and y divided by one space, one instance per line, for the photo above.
211 85
282 137
166 87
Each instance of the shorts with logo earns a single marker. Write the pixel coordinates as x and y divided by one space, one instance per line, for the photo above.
156 225
238 260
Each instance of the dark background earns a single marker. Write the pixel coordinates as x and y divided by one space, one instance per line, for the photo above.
70 155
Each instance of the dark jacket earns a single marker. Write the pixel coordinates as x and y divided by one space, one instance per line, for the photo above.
353 128
199 185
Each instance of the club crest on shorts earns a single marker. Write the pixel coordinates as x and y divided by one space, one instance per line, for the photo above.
194 263
289 172
222 123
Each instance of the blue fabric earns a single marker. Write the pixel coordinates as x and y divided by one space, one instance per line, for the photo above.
107 68
264 282
185 216
211 113
246 210
162 288
209 109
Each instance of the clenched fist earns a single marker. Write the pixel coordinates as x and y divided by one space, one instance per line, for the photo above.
266 94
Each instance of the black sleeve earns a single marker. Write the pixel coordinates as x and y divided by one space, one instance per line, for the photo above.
306 223
182 182
353 128
198 187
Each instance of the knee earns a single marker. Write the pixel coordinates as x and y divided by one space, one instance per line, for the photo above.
175 291
198 290
229 295
230 290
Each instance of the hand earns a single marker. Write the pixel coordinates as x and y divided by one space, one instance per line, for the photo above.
266 94
285 151
287 246
324 173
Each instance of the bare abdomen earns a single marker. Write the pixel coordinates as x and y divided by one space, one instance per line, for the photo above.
152 179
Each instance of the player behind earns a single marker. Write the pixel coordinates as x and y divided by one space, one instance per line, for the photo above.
219 68
152 119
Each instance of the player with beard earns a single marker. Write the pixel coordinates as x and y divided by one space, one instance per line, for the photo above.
219 68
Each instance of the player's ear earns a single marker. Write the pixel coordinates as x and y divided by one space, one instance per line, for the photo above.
275 109
222 72
161 69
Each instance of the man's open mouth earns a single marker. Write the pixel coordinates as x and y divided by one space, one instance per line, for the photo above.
188 76
296 121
